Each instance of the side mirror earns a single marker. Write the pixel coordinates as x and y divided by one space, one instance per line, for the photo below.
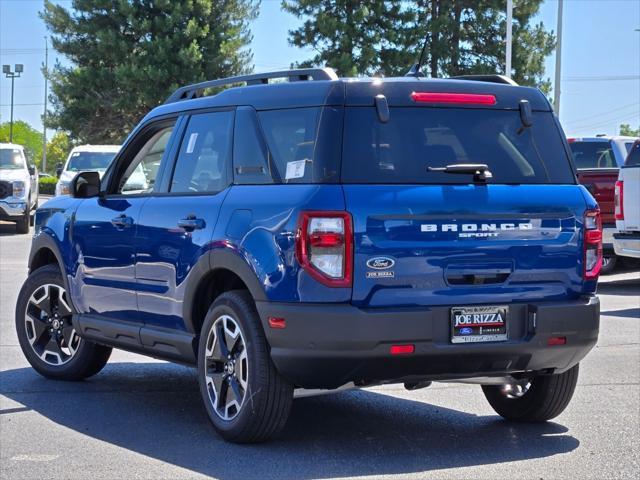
32 170
85 185
58 169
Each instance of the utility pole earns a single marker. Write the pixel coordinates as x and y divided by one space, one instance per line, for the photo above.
6 69
509 39
556 85
44 115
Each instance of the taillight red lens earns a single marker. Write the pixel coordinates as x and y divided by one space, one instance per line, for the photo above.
619 200
592 244
324 247
457 98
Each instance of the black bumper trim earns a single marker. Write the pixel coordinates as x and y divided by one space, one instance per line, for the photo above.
328 345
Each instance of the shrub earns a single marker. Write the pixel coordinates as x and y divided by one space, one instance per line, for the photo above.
47 185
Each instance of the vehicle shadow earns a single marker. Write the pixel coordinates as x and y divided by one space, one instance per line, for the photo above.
155 409
7 228
624 287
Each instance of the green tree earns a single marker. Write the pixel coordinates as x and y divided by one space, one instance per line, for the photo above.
58 149
627 131
128 55
386 36
25 135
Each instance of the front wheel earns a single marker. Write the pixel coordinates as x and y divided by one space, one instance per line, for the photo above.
537 399
245 397
46 334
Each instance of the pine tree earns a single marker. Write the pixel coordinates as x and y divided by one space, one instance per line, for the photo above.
127 56
385 37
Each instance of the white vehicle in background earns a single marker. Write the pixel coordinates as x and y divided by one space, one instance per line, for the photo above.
18 186
626 241
85 158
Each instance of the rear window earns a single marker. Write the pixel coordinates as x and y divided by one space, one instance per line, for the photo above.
593 154
413 139
634 155
89 161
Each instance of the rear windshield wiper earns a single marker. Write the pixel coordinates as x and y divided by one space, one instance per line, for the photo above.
480 171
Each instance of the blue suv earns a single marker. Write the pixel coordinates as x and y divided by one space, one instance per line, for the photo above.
327 233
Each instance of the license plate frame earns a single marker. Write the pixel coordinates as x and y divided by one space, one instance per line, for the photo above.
479 324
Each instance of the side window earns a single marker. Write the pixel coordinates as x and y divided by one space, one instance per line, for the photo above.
250 153
140 175
202 164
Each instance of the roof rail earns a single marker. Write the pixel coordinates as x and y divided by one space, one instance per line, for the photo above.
487 78
197 89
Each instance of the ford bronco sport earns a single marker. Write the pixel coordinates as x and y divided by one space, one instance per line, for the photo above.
324 233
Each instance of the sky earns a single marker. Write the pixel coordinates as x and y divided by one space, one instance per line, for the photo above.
600 87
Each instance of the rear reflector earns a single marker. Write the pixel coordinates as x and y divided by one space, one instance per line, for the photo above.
401 349
455 98
557 341
275 322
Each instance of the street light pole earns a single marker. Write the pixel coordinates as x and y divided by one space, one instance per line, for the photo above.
509 38
556 86
44 114
6 69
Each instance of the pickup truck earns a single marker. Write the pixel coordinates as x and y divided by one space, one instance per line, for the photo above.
598 160
626 241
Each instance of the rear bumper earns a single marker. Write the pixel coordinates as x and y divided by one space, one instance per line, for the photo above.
328 345
627 244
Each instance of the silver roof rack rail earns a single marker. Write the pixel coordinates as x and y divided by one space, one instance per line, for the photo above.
487 78
197 89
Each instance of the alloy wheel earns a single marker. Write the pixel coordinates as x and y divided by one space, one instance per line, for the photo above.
48 325
226 367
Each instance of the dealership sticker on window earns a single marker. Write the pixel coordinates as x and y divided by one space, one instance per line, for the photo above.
192 142
295 169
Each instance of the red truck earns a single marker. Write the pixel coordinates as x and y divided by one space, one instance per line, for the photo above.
598 160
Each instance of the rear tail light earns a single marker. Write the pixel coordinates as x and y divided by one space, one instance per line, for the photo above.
324 247
592 244
456 98
619 199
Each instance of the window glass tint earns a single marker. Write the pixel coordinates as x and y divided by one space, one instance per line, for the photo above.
634 155
204 154
250 154
304 143
627 146
593 154
140 175
89 161
11 159
413 139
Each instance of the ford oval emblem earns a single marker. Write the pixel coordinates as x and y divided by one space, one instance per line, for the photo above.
466 331
380 263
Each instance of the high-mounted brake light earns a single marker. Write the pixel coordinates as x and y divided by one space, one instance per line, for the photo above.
454 98
592 244
324 247
619 200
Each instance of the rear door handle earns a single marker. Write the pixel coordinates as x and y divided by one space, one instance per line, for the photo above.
191 223
122 221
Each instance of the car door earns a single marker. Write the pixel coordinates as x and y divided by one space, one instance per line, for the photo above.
104 228
176 225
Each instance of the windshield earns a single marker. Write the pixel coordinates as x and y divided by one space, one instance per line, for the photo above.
402 149
593 154
11 159
89 161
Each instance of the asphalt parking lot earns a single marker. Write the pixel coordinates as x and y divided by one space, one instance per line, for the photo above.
142 418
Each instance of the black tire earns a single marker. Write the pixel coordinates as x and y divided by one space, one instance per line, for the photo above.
267 397
23 223
608 263
88 357
546 398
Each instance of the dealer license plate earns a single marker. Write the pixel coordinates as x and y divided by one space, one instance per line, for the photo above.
479 324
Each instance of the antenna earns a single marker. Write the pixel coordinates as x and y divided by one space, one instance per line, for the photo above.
416 69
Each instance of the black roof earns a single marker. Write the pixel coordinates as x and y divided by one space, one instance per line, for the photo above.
343 91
